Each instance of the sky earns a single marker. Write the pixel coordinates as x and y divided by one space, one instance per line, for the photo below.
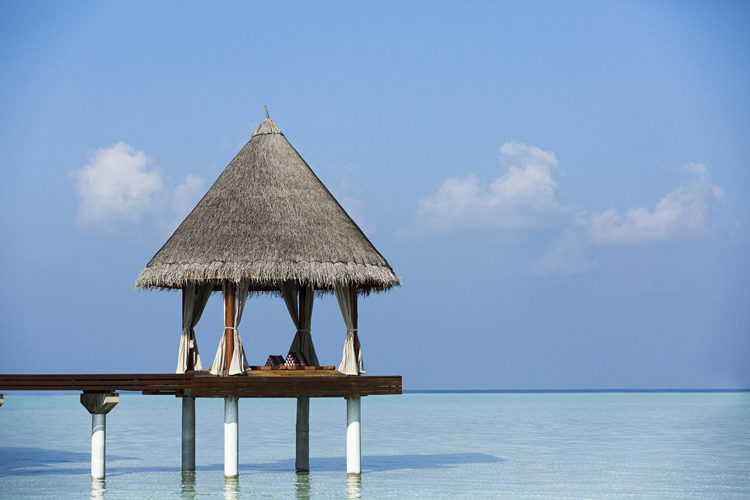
561 186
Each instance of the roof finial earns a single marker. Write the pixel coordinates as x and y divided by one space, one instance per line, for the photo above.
266 110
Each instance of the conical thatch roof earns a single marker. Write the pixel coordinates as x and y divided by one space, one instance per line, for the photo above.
268 218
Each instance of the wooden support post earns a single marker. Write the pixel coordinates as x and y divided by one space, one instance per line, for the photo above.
99 404
229 308
353 435
231 437
188 431
302 463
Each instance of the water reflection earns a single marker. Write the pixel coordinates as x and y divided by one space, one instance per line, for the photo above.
98 488
353 486
231 488
302 486
187 487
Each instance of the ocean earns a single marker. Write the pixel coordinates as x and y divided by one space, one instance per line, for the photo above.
418 445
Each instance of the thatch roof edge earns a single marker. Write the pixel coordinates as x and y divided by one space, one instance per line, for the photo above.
317 274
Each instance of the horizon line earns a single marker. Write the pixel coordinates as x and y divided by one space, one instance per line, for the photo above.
557 391
455 391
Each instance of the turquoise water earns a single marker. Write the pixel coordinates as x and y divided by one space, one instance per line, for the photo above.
572 445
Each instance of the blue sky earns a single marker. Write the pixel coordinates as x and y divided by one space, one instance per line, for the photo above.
560 185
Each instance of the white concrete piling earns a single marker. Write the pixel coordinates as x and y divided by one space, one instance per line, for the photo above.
188 432
302 463
98 444
353 436
1 400
99 404
231 437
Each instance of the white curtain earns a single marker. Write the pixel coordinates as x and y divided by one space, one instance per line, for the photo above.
194 298
351 362
302 339
238 364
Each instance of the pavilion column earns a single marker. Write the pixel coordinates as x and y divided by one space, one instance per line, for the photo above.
353 435
231 437
231 406
302 463
188 431
229 311
353 407
99 404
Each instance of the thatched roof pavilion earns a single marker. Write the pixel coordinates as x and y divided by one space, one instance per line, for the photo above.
268 224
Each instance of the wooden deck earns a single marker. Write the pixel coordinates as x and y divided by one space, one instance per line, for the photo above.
256 384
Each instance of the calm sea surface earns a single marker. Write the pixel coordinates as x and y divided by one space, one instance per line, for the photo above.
571 445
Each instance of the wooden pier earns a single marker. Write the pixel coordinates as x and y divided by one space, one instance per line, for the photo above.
99 396
257 384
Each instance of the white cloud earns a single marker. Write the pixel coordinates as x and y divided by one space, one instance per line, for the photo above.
524 196
120 186
117 185
680 214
